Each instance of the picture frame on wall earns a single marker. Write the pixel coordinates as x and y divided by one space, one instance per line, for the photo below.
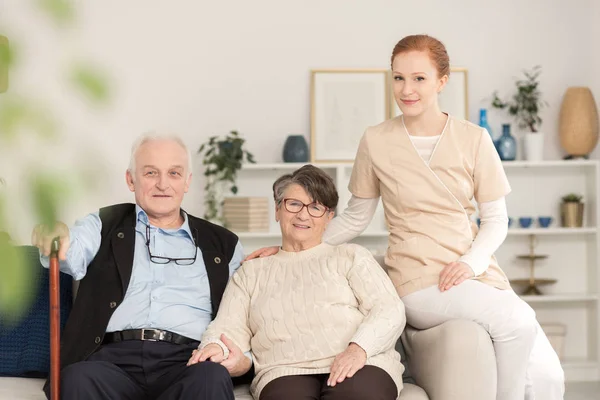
344 102
453 99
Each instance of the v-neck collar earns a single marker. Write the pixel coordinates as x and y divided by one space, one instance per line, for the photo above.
441 136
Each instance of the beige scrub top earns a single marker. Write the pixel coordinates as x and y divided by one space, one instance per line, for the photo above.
428 208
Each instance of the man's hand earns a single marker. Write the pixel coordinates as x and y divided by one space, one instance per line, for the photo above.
237 363
263 252
42 237
454 274
346 364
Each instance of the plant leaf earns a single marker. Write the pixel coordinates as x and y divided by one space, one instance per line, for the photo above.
61 11
90 82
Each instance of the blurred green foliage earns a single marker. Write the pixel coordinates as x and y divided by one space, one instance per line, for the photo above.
90 82
47 190
60 11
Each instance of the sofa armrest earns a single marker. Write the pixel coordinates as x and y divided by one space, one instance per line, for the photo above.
454 360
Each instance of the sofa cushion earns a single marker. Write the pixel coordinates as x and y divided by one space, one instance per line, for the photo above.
412 392
31 389
21 389
24 346
455 357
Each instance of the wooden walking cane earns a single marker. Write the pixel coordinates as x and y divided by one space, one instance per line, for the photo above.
54 322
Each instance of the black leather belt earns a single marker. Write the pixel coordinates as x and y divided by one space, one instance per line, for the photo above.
153 335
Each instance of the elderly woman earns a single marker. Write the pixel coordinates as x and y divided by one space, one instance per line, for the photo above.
321 320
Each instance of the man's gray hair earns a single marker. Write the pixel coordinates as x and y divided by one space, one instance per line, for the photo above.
152 136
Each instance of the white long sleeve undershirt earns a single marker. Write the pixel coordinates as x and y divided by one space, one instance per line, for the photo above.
492 232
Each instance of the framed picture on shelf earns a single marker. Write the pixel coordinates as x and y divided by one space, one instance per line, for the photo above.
453 98
343 104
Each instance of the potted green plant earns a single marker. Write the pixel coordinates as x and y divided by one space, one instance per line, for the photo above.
222 158
571 211
525 106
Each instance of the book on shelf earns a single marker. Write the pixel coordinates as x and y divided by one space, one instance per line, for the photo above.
245 209
246 214
246 200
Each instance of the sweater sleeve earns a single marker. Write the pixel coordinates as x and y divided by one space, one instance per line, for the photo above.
378 300
232 317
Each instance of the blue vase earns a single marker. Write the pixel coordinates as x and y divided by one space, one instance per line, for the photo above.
483 122
506 145
295 149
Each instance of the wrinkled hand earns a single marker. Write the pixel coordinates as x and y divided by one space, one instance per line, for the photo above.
237 364
42 237
263 252
454 274
346 364
212 352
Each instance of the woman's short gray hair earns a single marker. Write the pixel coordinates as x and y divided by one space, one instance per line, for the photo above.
319 186
152 136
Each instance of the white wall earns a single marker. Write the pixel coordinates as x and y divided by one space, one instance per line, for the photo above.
202 68
594 59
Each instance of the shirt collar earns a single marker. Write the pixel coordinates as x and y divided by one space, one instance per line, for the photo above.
185 227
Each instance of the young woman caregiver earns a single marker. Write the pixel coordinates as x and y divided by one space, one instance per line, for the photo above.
427 166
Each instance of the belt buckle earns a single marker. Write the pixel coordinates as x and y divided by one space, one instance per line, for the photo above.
151 332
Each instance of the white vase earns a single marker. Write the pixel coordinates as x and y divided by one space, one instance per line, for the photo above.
533 143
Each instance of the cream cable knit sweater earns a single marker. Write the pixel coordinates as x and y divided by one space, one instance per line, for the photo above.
297 310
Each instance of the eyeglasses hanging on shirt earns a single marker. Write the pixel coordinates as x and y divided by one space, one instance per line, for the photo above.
166 260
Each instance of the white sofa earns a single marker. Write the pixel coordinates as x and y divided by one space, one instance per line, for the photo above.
452 361
31 389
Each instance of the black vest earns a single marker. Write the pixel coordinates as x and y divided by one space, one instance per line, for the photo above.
104 286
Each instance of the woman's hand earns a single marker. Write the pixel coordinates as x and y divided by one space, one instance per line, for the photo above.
346 364
263 252
236 363
212 352
454 274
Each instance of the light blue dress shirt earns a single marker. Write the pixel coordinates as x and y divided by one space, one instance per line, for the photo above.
160 296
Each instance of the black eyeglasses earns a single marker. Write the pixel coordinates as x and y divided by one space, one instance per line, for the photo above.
166 260
315 209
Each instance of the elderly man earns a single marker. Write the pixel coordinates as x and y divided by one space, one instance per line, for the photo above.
152 278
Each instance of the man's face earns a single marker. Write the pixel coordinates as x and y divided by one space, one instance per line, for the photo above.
161 178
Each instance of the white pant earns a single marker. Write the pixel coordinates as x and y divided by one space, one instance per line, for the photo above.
528 367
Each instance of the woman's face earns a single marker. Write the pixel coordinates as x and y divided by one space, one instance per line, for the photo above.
304 227
416 84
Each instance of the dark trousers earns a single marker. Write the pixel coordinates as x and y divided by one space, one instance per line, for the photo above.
369 383
143 370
